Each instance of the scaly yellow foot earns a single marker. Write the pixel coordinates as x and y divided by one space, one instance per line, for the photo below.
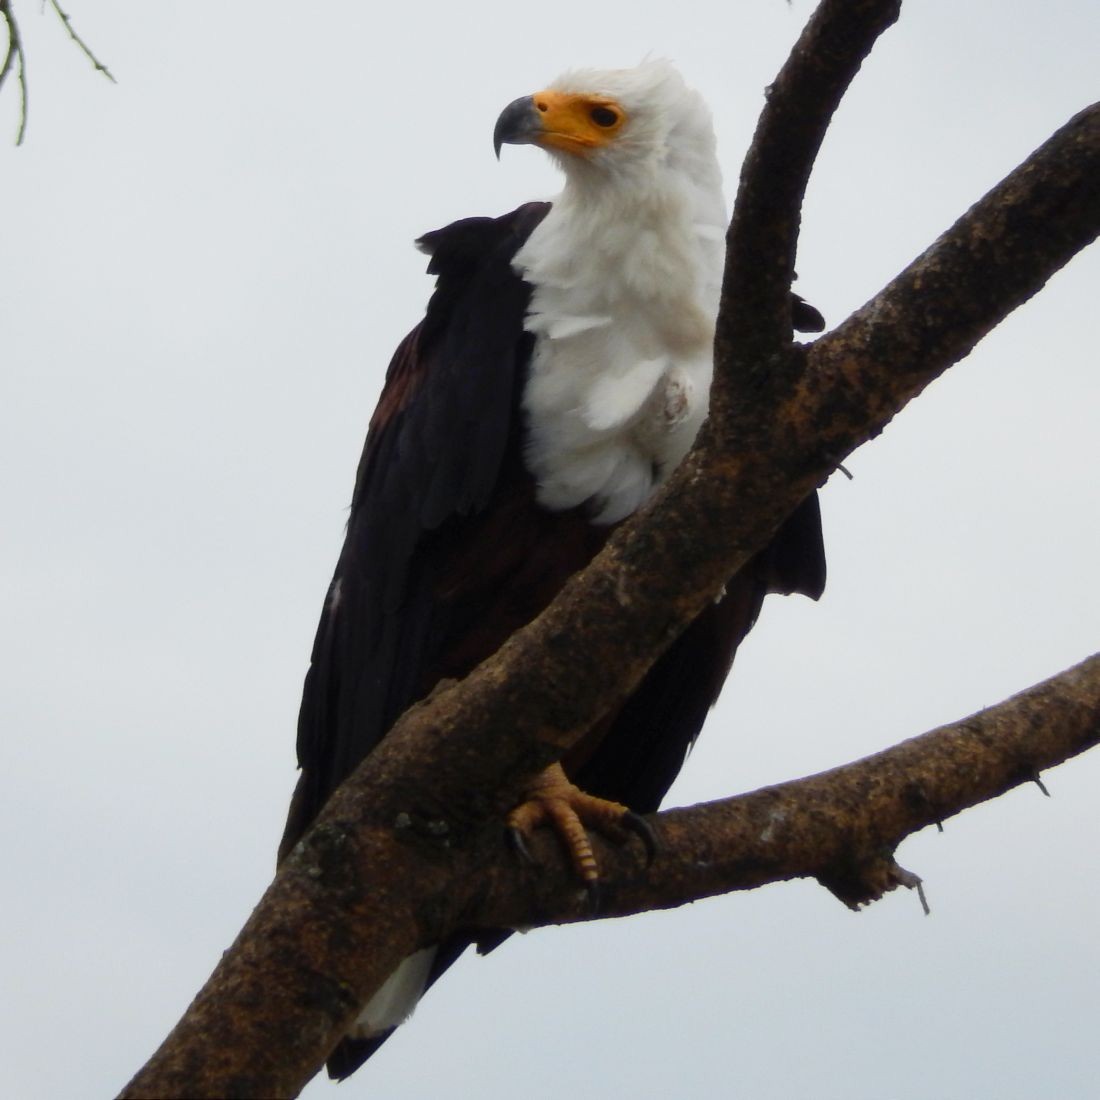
552 799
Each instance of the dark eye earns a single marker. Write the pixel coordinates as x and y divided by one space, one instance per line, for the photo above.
603 116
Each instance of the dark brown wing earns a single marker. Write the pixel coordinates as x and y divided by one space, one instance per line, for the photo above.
439 464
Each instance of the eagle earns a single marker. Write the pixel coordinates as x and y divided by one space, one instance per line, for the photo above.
559 375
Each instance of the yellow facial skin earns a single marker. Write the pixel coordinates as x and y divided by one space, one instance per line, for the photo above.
577 124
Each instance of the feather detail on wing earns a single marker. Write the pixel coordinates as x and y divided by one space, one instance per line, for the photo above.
431 464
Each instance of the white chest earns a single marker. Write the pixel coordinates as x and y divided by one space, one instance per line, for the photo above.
623 314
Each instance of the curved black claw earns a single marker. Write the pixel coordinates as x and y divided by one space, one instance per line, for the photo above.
592 889
644 832
518 843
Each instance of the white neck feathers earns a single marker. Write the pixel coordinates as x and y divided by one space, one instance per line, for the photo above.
626 272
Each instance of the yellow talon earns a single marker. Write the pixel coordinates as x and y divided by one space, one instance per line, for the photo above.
553 799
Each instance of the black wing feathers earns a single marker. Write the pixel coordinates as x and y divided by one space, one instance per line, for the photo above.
804 318
434 451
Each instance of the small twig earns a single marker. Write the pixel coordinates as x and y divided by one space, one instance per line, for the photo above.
100 67
914 882
1040 784
15 51
13 41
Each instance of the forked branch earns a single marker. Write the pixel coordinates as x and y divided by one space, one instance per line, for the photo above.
368 885
14 54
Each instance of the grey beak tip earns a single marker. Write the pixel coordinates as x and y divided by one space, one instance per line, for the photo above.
519 124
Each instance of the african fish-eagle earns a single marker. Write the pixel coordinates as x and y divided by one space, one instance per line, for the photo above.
560 373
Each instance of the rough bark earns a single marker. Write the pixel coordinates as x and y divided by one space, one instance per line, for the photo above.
840 827
385 869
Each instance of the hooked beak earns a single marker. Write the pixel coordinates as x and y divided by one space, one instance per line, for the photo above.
519 124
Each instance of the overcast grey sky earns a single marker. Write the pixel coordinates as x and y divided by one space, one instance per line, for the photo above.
205 269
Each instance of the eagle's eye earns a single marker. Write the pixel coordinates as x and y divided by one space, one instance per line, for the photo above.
603 116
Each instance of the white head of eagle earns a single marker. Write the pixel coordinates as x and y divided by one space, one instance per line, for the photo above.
626 272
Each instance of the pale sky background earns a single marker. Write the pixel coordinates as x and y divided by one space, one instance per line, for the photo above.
204 271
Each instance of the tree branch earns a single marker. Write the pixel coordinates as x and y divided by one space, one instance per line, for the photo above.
840 827
755 317
84 48
379 874
15 53
994 258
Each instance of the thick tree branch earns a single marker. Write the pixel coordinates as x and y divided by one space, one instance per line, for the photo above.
840 827
378 876
992 260
755 319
